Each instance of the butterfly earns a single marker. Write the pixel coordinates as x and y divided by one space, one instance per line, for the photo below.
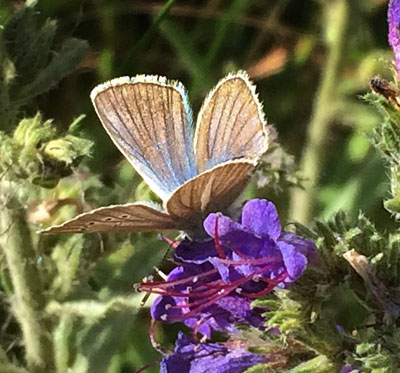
194 172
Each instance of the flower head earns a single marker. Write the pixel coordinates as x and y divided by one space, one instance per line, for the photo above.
216 280
394 30
199 357
349 369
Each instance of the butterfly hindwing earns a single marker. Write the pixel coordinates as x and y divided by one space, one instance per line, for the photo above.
231 124
211 191
130 217
150 121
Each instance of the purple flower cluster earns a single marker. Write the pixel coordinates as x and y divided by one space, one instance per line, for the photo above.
349 369
215 281
199 358
394 30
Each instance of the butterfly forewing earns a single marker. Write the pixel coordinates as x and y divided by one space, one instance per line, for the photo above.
150 121
230 124
131 217
212 191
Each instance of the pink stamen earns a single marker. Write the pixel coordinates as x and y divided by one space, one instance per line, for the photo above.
218 245
215 291
181 281
155 345
268 289
248 261
174 244
200 295
238 253
204 305
223 292
212 288
199 323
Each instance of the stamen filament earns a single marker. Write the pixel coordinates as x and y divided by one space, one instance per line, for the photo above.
218 245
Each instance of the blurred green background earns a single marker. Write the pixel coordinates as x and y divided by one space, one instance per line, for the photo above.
282 44
287 47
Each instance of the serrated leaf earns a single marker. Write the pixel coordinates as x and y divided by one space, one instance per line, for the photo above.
62 64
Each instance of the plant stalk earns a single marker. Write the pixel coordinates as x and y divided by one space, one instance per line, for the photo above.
303 200
28 301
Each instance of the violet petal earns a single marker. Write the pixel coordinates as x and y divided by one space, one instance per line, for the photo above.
295 262
260 217
394 30
199 358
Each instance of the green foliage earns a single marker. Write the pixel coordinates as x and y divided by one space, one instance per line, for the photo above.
346 306
34 152
347 303
277 169
31 62
386 140
34 156
386 135
319 364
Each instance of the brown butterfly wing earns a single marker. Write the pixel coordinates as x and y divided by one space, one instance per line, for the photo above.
231 124
150 121
131 217
211 191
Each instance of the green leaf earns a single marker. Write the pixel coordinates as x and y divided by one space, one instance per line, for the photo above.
62 64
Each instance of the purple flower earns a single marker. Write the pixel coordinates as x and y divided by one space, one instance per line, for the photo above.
189 357
216 280
394 31
349 369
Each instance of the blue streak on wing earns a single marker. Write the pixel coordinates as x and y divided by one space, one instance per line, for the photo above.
150 121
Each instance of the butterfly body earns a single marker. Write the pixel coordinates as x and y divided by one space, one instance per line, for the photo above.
194 172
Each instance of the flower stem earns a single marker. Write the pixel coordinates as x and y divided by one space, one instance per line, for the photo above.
28 302
302 200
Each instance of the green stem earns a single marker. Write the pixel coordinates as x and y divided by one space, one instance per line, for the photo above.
236 7
28 302
63 338
106 17
302 200
147 35
186 52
